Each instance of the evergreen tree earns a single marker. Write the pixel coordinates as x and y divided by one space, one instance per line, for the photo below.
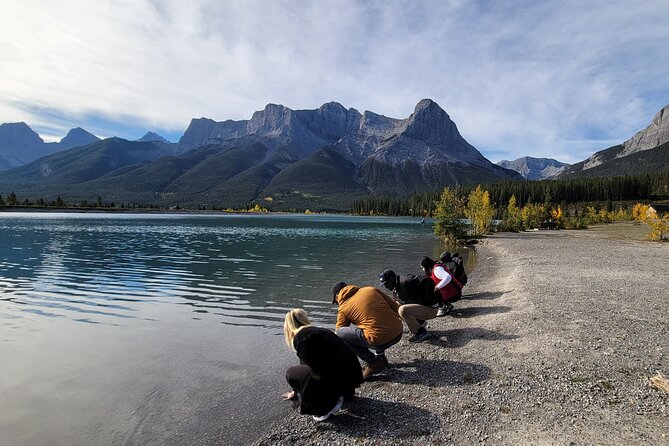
12 200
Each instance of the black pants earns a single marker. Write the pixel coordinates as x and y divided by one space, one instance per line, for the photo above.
297 376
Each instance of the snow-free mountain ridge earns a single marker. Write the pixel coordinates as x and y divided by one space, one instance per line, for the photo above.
647 148
19 144
322 158
535 168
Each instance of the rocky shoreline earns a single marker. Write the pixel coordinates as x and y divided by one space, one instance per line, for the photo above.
553 344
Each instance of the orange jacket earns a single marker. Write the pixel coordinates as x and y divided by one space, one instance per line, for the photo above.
370 310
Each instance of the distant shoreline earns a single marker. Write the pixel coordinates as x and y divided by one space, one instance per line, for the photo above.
49 209
69 210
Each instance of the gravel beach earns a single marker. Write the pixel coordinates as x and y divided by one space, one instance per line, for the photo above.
553 343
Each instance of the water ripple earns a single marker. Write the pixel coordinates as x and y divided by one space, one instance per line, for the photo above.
241 271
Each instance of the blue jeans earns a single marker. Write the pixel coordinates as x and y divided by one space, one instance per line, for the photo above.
353 338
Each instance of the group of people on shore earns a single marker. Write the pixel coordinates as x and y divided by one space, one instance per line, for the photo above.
368 323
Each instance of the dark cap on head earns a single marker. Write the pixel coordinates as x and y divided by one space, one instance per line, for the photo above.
336 288
445 256
387 275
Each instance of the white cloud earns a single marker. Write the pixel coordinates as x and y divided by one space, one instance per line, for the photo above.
557 79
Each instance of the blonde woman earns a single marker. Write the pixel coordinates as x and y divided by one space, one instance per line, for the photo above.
329 371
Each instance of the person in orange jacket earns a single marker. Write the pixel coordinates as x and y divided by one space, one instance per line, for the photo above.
368 322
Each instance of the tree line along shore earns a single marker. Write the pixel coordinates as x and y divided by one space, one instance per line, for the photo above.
572 195
502 206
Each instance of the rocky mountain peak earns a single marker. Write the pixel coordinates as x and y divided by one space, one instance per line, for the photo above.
77 137
429 122
655 134
427 104
152 136
199 131
535 168
270 120
19 134
332 107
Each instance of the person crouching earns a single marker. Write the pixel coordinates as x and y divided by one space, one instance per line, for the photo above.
329 371
368 322
419 301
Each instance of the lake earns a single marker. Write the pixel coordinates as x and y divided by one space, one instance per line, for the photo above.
167 328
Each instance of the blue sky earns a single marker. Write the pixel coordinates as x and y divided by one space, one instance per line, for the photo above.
558 79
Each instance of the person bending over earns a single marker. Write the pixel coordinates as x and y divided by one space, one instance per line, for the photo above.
329 371
368 322
419 301
444 284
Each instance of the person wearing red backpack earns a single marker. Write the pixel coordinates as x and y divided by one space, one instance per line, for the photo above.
444 283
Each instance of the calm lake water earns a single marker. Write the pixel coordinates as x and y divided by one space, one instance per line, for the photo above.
136 329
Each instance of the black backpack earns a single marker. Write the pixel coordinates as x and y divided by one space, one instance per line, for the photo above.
459 269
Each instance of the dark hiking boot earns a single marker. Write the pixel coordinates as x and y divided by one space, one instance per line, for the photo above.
376 365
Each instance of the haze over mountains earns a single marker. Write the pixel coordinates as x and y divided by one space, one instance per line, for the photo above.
288 159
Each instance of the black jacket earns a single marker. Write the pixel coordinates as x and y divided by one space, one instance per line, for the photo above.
416 290
335 369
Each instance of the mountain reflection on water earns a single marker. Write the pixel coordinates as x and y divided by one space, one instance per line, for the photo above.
246 270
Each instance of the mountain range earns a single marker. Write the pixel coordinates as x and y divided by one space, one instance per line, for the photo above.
19 144
283 159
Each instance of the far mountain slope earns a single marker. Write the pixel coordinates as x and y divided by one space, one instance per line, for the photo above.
639 163
324 180
535 168
68 170
607 161
20 145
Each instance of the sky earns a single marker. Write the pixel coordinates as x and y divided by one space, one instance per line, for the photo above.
556 79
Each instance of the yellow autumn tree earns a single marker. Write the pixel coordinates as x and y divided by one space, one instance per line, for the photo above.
659 226
513 220
557 215
480 211
448 216
532 215
639 211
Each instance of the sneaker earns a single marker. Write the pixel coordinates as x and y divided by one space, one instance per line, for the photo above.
333 411
443 311
420 335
